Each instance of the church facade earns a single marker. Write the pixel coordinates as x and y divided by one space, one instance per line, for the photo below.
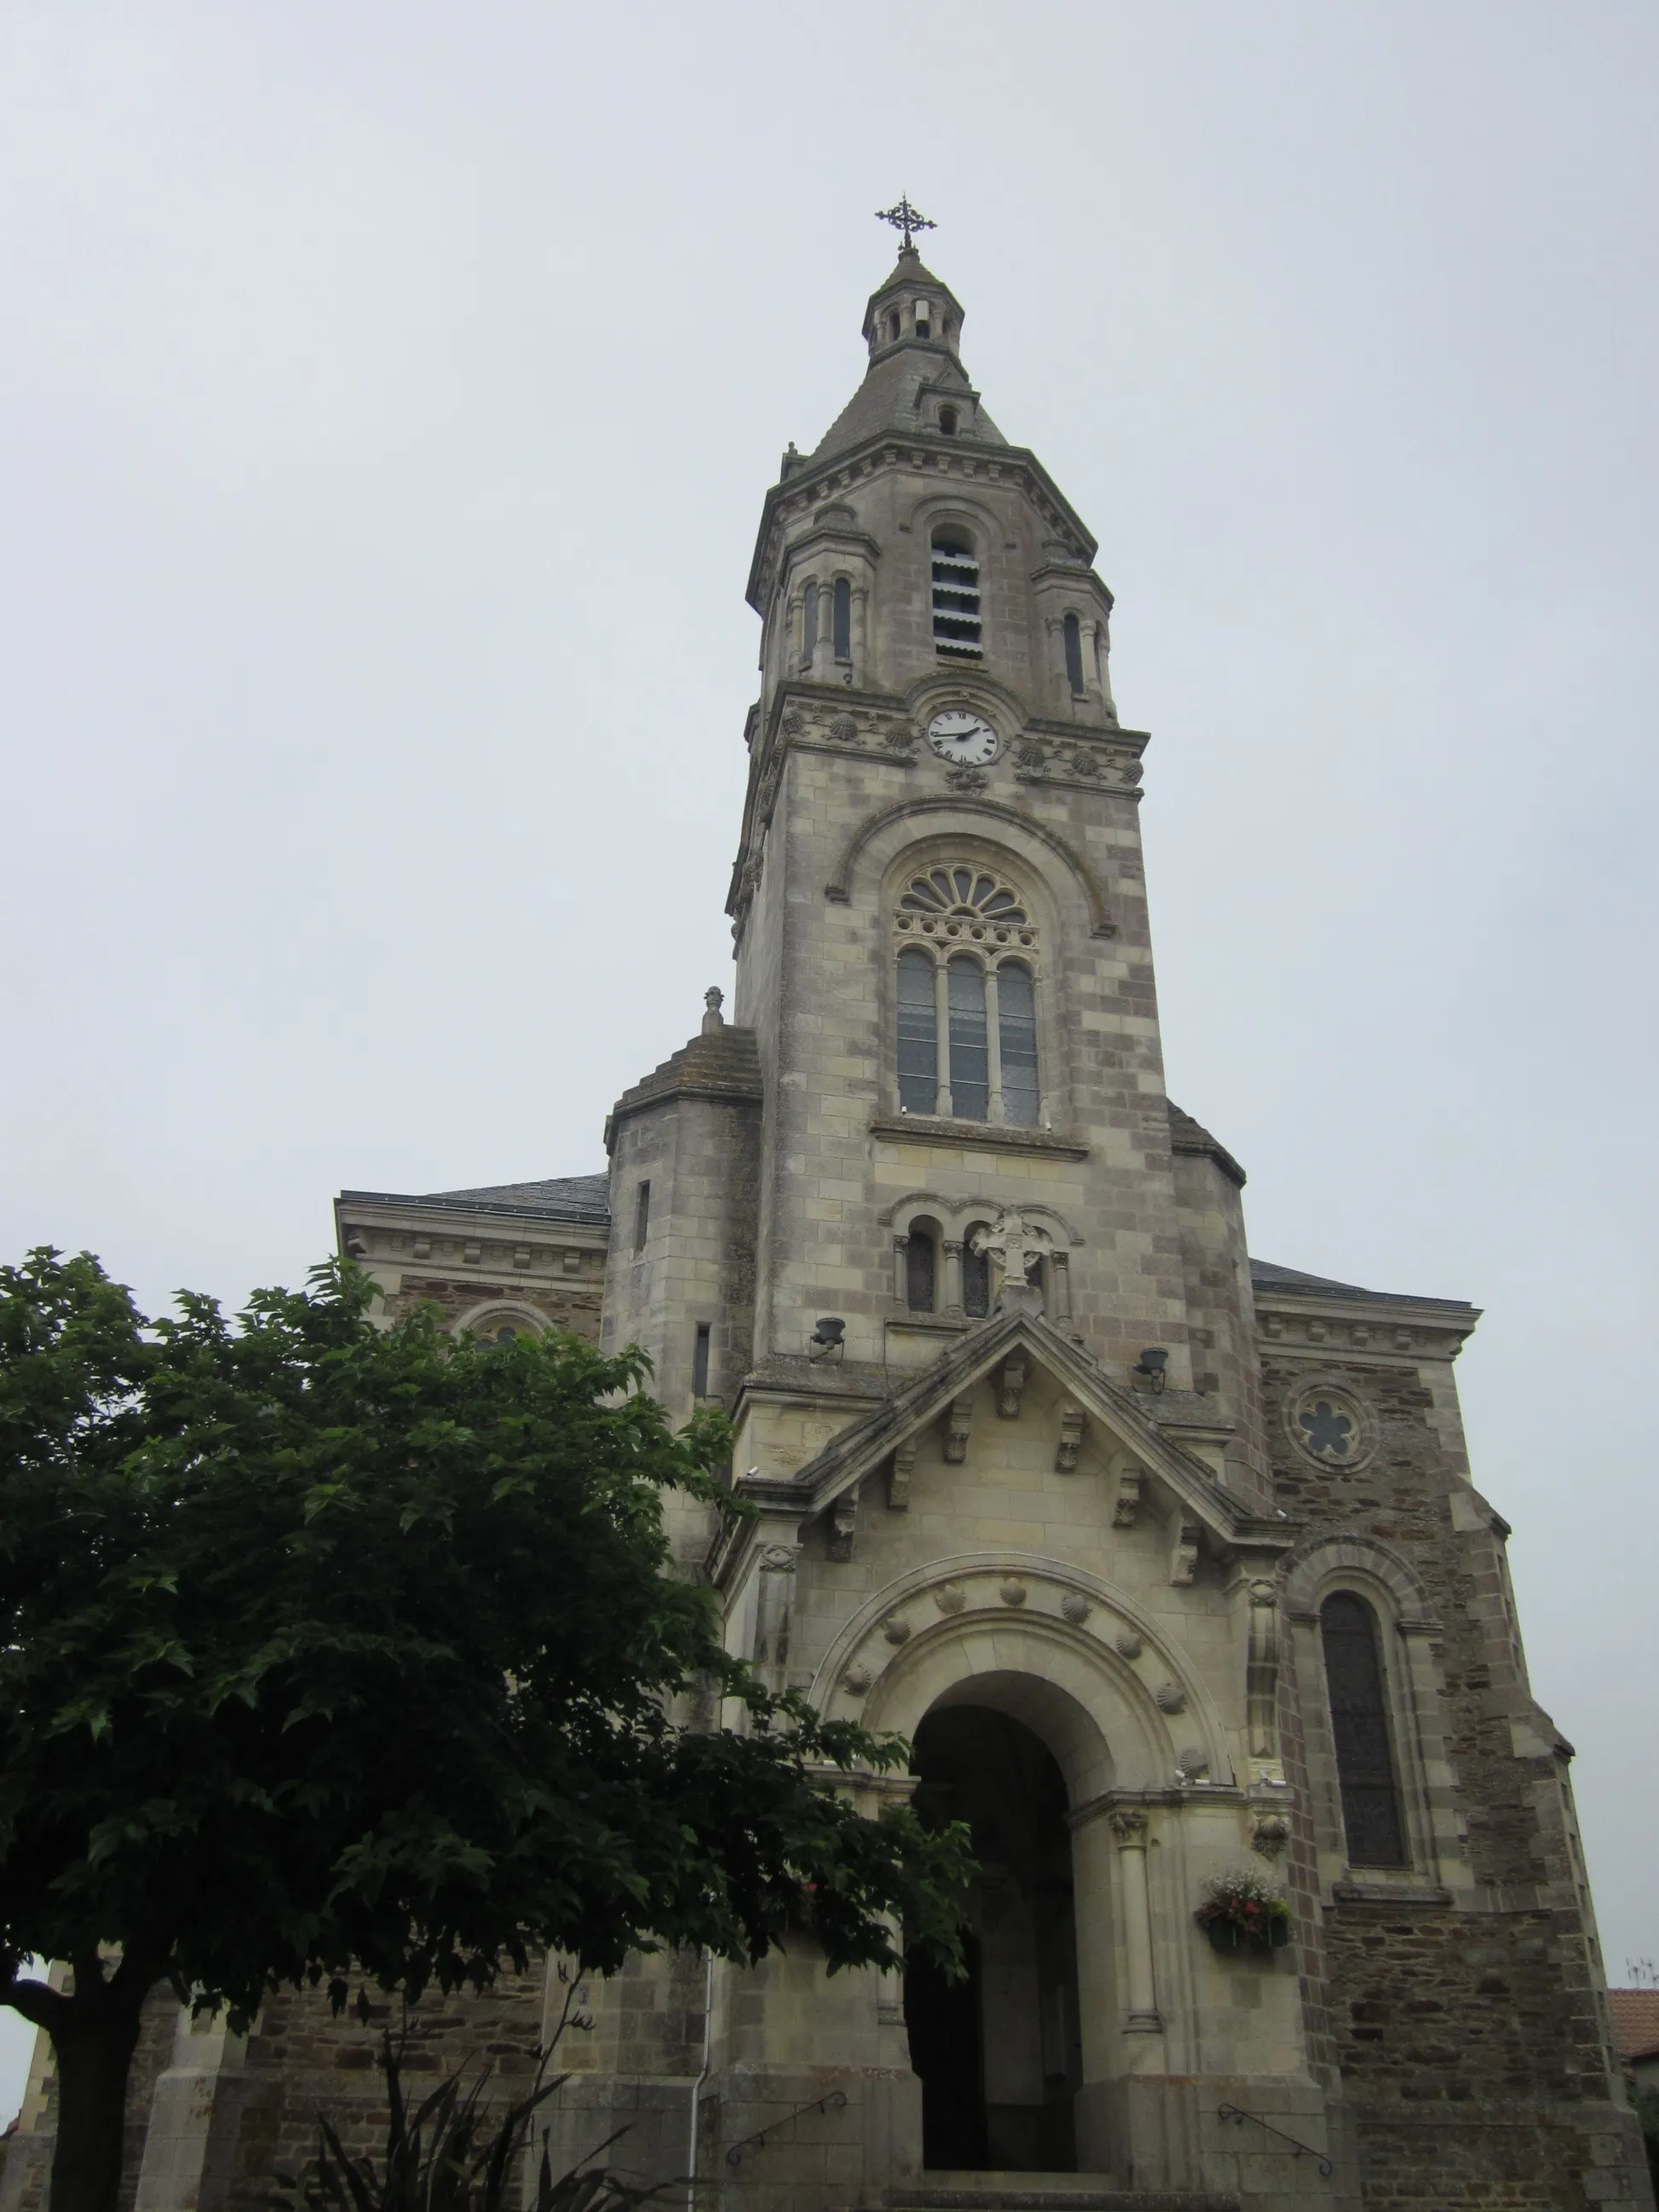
1167 1561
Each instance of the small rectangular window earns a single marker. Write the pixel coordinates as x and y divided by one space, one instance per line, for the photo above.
1074 652
842 618
700 1363
810 623
641 1216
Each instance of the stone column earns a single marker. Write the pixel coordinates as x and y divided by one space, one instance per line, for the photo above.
1129 1827
952 1303
1059 1270
901 1276
942 1016
993 1044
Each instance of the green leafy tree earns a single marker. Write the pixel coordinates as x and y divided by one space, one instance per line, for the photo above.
340 1655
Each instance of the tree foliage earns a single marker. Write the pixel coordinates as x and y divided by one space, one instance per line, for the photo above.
332 1651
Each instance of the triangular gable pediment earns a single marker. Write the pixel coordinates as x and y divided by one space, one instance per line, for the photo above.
868 1443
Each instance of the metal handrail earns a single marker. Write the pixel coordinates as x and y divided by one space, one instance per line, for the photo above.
830 2103
1302 2150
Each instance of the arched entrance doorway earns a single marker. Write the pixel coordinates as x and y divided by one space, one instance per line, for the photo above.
999 2055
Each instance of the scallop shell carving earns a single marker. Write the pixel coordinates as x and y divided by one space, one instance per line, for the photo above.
1075 1606
1011 1592
897 1630
1126 1643
1169 1698
844 729
856 1680
950 1597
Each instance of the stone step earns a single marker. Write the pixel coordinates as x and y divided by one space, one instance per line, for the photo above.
1047 2192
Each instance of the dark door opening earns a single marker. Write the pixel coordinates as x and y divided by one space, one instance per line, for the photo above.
1000 2053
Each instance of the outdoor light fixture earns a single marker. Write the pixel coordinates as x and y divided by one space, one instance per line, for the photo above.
826 1338
1151 1364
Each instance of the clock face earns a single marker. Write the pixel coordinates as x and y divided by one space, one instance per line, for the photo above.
959 734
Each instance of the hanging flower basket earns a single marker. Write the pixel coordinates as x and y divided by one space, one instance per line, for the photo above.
1241 1912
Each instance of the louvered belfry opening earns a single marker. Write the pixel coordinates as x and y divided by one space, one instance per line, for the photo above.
1360 1723
957 631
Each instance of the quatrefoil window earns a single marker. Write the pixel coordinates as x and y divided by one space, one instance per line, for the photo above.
1331 1425
1329 1434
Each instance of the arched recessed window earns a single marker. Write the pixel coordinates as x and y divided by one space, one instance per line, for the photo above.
1100 671
924 318
1073 653
947 421
976 1275
918 1034
955 595
893 323
1359 1724
842 618
971 1056
920 1268
1017 1035
507 1336
810 621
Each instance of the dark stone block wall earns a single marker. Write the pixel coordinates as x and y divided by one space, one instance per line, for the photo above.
1467 2027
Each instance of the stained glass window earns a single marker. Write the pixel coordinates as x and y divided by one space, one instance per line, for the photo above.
1360 1723
920 1260
1016 1031
918 1035
971 1057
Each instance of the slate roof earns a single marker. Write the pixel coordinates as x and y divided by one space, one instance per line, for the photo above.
723 1064
1635 2023
886 400
1266 1276
1187 1135
555 1198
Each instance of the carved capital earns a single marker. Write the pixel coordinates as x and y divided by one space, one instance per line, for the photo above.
1128 1503
1183 1551
1128 1824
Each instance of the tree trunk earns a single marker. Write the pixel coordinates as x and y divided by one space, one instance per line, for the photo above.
94 2052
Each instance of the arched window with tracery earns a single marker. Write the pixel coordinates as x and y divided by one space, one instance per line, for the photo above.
966 1014
1359 1725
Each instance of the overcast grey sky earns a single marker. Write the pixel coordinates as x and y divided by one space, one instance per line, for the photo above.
387 393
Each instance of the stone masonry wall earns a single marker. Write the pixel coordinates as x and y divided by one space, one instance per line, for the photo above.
1469 2035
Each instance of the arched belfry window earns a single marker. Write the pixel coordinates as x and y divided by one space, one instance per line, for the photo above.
921 1267
842 618
966 1027
1073 629
975 1275
956 625
1359 1724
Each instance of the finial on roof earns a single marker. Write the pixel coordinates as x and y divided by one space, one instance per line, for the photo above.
712 1024
905 217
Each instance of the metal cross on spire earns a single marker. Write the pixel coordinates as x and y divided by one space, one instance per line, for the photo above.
905 217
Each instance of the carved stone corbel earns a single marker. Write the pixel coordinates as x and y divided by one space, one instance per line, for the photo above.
898 1478
1183 1551
1072 1422
958 1425
1129 1498
843 1524
1261 1671
1012 1386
